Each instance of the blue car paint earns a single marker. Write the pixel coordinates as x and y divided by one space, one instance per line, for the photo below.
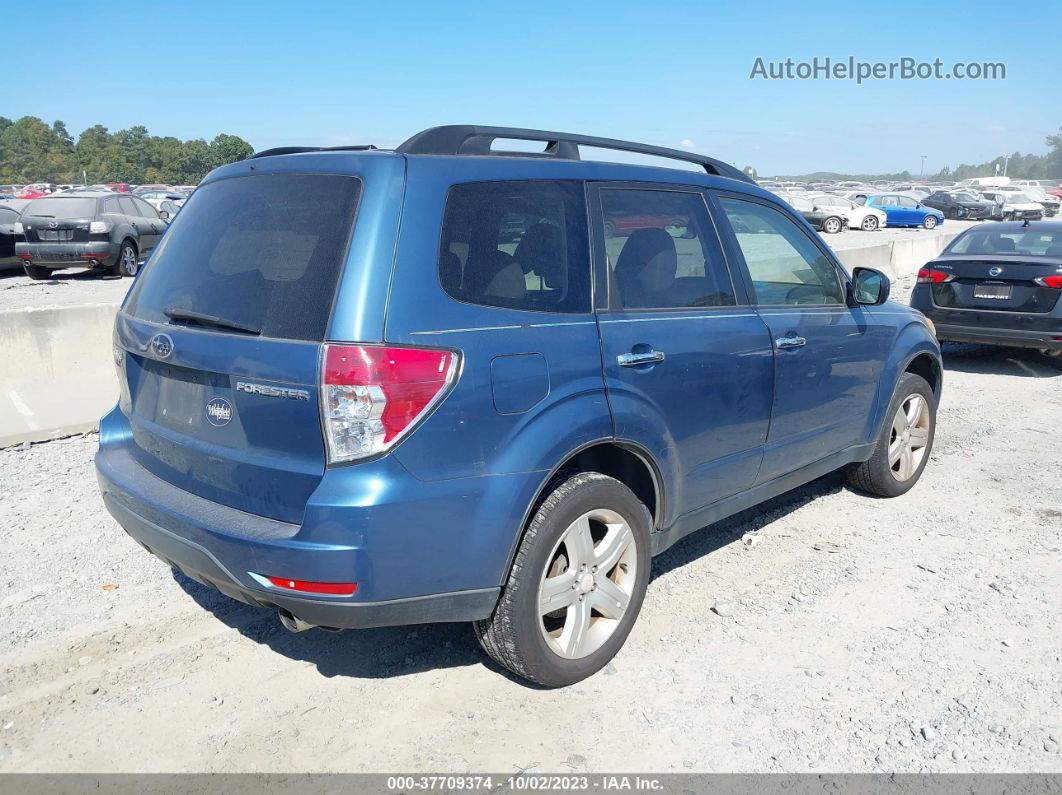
726 421
905 216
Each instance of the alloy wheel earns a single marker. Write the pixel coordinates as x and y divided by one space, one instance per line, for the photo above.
909 437
587 584
129 264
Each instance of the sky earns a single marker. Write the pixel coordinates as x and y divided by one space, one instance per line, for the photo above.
668 73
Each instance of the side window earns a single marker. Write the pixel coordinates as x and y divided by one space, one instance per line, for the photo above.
127 205
110 206
662 250
785 265
518 244
908 202
146 209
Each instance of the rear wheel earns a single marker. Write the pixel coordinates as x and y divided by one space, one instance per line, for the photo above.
870 223
127 263
904 443
37 272
929 222
831 226
576 585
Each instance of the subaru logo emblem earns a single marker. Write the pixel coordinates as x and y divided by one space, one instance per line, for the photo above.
218 412
162 345
995 271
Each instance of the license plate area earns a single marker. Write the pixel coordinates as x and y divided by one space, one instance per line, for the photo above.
56 234
996 292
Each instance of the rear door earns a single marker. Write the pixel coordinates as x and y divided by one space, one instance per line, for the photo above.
221 336
151 226
687 362
827 355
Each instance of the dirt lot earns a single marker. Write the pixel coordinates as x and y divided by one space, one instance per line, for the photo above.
856 635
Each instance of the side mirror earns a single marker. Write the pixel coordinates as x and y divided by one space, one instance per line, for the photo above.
870 287
164 214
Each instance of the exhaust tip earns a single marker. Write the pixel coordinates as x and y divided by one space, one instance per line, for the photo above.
293 624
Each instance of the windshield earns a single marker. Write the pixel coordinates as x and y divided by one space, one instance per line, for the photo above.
62 207
259 253
1030 243
1018 198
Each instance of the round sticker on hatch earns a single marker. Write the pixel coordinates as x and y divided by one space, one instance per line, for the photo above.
219 412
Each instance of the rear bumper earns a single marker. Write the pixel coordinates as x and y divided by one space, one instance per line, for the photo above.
420 552
1044 340
69 255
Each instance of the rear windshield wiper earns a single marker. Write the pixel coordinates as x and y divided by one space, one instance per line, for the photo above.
201 319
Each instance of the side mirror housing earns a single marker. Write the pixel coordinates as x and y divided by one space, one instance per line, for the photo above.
870 287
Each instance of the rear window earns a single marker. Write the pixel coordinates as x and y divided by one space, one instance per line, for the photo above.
518 244
260 252
62 207
1033 243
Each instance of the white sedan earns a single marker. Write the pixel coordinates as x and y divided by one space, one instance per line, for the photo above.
859 217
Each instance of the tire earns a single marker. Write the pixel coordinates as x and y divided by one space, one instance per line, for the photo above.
929 222
832 226
531 644
128 260
37 272
880 476
869 224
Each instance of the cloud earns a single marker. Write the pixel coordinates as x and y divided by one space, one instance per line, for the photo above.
686 143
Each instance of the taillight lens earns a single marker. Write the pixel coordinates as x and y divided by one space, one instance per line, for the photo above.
1049 281
305 586
373 395
930 276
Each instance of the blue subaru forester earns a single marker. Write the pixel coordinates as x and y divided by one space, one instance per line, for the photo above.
454 383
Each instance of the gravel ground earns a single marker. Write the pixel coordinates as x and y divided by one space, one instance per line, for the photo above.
81 287
823 631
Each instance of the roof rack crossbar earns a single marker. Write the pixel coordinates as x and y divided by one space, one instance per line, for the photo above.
467 139
291 150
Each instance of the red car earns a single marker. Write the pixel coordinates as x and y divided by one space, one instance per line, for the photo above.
121 187
622 225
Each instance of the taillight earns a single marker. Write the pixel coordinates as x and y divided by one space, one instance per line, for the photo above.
930 276
373 395
305 586
1049 281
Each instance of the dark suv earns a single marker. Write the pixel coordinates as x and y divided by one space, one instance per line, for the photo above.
88 229
451 383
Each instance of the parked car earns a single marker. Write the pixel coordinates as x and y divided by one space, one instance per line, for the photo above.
1014 206
1044 199
959 206
346 398
166 208
120 187
87 230
824 219
997 284
903 210
8 218
858 216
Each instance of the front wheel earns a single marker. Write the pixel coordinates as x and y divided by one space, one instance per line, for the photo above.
929 222
904 443
870 223
576 585
831 226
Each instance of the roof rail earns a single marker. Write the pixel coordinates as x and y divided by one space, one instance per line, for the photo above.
467 139
291 150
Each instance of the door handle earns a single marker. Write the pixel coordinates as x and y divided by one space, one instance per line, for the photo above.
635 359
792 341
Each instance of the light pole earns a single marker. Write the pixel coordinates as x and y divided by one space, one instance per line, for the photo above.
922 172
1006 159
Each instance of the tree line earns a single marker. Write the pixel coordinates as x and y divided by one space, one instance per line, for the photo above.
1019 166
33 151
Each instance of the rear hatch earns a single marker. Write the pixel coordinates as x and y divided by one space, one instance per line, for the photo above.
994 282
59 219
220 339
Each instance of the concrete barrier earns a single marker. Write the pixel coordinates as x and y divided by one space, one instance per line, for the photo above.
57 373
57 376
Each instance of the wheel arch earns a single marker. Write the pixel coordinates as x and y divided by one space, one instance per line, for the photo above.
626 461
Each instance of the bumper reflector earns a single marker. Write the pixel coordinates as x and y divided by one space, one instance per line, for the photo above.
304 586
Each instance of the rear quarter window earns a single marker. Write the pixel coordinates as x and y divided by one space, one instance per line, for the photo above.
518 244
261 251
